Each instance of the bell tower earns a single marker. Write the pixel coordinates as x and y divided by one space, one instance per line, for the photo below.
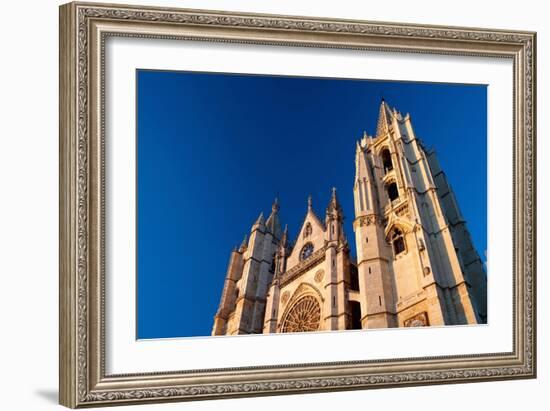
376 278
249 275
409 234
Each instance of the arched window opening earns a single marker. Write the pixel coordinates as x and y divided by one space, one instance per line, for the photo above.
393 194
353 279
308 230
398 242
355 311
306 252
386 161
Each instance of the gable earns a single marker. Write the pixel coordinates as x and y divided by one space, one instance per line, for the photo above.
312 231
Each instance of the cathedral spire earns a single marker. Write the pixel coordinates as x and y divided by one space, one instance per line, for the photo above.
384 119
334 204
273 224
275 206
334 220
334 194
309 203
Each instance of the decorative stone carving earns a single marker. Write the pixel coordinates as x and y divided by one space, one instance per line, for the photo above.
402 210
365 220
285 297
303 266
319 276
305 315
419 320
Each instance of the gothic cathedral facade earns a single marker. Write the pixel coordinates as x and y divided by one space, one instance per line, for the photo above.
416 264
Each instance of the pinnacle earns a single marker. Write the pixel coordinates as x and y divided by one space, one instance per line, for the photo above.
273 224
284 238
260 219
334 198
334 204
275 207
384 117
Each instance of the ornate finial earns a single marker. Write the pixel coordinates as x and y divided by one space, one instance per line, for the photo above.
309 202
334 205
284 238
275 207
333 198
364 134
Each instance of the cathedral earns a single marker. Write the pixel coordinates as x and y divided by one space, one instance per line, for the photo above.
415 265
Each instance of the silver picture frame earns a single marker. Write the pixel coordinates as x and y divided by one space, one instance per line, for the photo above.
84 28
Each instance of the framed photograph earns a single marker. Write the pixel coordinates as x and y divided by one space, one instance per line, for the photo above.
259 204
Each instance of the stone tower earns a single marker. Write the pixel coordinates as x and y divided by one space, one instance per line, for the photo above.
416 264
249 274
415 259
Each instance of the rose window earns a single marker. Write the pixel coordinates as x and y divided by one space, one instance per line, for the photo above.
306 251
305 315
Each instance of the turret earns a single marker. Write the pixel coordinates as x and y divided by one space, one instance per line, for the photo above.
230 289
282 253
364 188
334 220
336 265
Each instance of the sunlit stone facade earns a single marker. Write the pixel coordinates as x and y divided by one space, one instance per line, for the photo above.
416 264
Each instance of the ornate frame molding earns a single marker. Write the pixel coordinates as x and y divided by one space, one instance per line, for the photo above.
83 30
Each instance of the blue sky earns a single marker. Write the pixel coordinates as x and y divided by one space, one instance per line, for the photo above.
215 149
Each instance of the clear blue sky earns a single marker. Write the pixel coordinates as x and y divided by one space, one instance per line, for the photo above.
215 149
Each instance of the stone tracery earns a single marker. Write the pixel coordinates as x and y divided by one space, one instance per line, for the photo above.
303 316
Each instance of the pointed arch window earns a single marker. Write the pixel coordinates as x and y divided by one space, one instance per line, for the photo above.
387 163
398 241
355 315
308 230
392 191
353 278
